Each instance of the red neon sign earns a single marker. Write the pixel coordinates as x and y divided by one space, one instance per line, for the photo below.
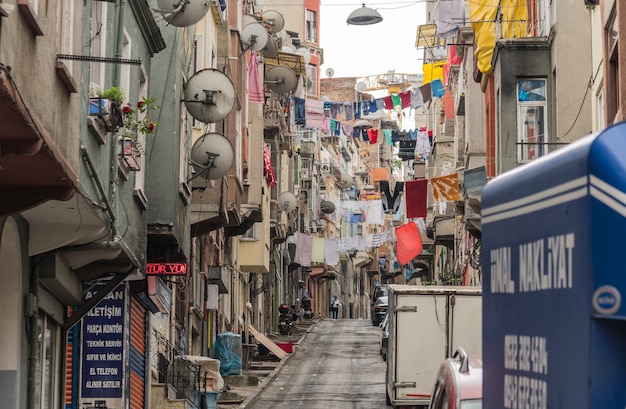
166 269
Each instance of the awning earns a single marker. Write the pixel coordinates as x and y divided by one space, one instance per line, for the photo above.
32 169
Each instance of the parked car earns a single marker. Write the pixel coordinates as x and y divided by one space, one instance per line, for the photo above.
459 383
384 337
380 310
379 291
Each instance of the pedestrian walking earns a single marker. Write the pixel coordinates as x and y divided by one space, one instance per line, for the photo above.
336 307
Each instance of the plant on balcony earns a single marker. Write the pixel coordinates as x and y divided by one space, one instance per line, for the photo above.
105 104
136 124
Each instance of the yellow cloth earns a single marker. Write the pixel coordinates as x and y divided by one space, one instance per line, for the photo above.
433 71
445 188
318 253
514 19
483 15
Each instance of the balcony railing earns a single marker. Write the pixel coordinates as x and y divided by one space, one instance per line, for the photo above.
186 378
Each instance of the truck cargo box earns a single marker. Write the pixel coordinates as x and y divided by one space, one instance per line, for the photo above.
554 326
426 325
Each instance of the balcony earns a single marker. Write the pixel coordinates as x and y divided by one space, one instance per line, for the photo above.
183 379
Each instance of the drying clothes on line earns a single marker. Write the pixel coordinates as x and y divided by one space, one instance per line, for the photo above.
314 113
255 93
407 149
395 101
391 203
422 146
409 243
298 110
416 199
357 110
388 103
427 95
372 106
405 99
331 252
387 133
304 249
436 86
318 250
417 100
372 135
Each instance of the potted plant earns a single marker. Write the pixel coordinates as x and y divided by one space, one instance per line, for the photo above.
105 104
136 124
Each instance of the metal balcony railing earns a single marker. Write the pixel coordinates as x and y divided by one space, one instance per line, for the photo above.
186 378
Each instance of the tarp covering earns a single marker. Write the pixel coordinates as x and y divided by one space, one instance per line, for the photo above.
227 349
514 19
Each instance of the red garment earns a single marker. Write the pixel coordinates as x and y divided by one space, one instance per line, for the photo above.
372 135
405 97
268 170
255 93
416 195
408 243
388 103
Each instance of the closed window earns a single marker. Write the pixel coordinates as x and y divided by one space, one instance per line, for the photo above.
311 26
46 377
531 117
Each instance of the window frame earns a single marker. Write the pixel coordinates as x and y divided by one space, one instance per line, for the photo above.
539 111
311 26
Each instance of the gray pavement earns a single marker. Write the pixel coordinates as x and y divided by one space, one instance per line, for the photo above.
242 390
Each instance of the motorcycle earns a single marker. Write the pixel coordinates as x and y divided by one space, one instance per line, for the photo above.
285 325
307 308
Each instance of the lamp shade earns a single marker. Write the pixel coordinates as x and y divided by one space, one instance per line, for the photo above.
364 16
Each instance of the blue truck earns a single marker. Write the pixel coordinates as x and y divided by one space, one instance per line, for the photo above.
554 264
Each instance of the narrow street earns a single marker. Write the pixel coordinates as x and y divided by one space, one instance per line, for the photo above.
337 366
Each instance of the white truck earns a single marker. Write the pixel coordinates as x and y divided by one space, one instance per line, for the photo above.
426 325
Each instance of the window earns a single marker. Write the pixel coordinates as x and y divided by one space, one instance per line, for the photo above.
252 234
531 112
98 41
311 83
612 69
311 26
46 377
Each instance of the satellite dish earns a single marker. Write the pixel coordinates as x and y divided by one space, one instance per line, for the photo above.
209 95
281 79
255 36
346 181
360 86
249 19
274 20
287 202
330 72
211 156
303 51
327 207
183 13
271 48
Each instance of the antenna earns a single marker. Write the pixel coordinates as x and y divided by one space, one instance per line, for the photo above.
209 95
330 72
211 157
305 53
183 13
271 48
281 79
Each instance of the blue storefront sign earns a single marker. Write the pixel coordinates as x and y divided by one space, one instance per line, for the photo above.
103 346
554 325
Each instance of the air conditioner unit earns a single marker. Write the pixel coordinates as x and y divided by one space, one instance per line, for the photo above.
305 174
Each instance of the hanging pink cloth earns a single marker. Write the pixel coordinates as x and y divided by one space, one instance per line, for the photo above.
255 93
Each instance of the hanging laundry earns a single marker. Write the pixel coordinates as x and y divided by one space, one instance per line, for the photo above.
348 110
417 101
331 252
380 103
268 170
388 103
395 101
314 113
347 129
427 94
326 127
405 99
407 149
304 249
255 94
357 110
422 147
318 250
445 188
372 135
416 198
387 133
298 108
373 107
391 203
436 86
409 243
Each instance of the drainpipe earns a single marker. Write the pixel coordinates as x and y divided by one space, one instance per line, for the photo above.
115 138
32 311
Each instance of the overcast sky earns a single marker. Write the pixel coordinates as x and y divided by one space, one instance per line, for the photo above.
358 51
